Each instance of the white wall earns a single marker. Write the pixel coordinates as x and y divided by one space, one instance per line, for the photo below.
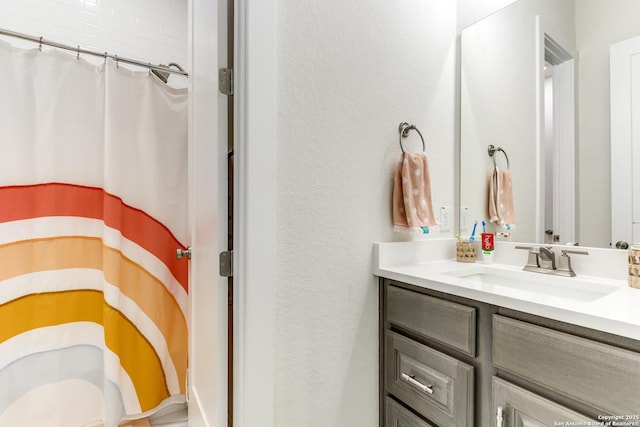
148 30
348 73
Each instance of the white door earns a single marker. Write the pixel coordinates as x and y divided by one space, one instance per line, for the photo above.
207 215
558 153
625 140
564 169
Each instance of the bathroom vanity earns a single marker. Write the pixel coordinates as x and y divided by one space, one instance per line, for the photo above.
456 349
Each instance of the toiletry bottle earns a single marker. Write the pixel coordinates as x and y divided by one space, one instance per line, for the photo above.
487 248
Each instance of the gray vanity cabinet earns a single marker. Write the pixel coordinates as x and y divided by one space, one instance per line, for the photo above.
516 407
450 361
425 384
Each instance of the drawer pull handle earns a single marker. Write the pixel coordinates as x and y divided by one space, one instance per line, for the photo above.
411 380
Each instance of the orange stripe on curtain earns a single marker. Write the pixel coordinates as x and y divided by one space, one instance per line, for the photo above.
136 354
58 199
135 282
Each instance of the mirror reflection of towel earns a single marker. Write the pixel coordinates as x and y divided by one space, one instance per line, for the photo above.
412 210
501 199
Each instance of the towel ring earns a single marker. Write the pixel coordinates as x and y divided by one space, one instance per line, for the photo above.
404 129
492 151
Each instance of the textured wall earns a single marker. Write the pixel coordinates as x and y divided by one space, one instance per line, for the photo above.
348 74
148 30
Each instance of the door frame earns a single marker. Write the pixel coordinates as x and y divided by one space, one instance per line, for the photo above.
255 213
254 261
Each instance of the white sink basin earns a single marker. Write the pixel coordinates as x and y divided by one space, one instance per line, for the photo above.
573 288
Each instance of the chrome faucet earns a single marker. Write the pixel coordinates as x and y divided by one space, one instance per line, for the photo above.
543 260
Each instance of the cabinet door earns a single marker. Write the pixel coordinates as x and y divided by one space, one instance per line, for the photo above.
516 407
600 376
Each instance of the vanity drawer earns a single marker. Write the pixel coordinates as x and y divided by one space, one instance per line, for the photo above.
397 416
601 376
444 321
432 383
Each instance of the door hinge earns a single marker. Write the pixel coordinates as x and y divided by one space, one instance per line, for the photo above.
225 81
226 264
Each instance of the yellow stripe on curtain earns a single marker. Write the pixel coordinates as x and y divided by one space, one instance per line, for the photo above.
136 354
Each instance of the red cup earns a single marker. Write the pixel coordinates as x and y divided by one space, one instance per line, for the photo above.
487 242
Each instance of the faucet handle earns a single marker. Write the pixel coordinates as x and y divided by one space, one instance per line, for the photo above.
532 261
564 263
573 252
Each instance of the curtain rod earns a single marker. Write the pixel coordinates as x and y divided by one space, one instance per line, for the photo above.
41 41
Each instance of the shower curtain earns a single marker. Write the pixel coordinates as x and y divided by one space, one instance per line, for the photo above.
93 180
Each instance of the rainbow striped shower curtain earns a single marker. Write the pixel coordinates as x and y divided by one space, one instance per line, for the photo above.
93 176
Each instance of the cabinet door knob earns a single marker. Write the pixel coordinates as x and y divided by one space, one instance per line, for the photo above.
411 380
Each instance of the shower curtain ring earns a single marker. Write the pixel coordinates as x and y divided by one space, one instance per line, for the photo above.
105 57
40 45
78 55
117 66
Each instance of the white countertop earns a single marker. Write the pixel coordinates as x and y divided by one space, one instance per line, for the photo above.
431 264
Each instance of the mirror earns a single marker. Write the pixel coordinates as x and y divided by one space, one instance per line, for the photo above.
554 125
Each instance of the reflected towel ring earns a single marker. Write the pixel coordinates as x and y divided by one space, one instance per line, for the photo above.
492 151
404 129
